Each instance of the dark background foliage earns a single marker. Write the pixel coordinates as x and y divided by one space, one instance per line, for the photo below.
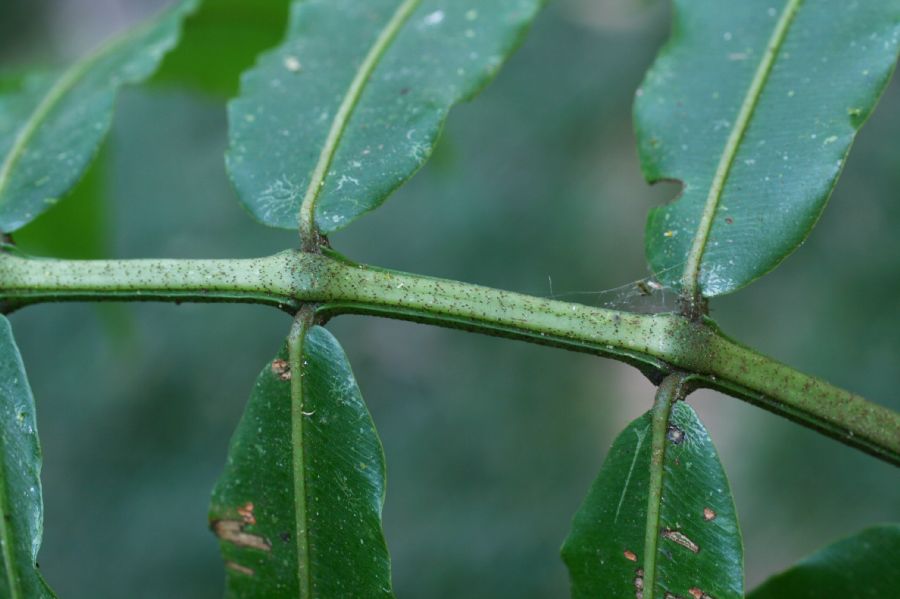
491 444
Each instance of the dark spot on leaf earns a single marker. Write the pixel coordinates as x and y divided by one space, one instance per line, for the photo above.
682 539
729 220
246 513
285 536
239 568
232 531
281 369
675 435
404 91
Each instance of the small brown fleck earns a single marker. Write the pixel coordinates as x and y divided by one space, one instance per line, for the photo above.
239 568
696 593
629 555
281 369
232 531
709 514
246 513
729 220
679 537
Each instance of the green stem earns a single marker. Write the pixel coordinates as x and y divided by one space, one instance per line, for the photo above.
256 280
656 343
670 390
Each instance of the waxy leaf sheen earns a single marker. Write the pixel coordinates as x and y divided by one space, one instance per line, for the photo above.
52 126
752 105
863 566
699 546
21 506
298 508
351 104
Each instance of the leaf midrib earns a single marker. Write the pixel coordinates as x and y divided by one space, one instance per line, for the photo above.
342 118
296 351
691 274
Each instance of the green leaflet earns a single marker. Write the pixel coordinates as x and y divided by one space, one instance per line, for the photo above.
758 138
351 104
699 543
862 567
51 127
21 506
79 227
220 41
298 509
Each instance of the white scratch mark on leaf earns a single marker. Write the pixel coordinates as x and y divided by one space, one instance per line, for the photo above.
637 449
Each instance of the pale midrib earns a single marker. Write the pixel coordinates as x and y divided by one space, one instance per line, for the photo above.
296 350
12 580
670 391
691 275
49 102
342 118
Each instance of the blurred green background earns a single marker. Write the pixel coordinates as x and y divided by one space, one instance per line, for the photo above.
490 444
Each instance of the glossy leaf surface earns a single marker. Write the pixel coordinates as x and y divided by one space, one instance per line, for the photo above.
21 506
863 567
298 509
79 226
220 41
753 105
699 550
52 126
351 104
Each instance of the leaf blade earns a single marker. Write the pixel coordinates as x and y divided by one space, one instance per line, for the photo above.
298 509
758 147
57 126
21 520
351 104
698 540
862 566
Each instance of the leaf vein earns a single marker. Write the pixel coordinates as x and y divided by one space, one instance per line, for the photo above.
342 118
691 272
